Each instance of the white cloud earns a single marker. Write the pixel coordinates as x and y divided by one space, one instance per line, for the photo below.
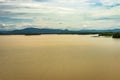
72 13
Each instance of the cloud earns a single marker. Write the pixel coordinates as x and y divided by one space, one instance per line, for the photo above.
41 0
111 18
49 13
8 19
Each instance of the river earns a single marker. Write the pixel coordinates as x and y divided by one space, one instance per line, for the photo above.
59 57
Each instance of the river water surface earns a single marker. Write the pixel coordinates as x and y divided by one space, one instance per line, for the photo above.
59 57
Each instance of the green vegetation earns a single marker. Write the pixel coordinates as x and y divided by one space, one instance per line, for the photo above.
113 34
106 34
116 35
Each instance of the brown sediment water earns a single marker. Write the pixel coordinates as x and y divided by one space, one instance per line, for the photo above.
59 57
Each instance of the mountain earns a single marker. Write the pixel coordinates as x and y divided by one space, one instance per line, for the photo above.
101 31
35 31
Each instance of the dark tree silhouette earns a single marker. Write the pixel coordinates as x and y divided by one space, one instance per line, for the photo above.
116 35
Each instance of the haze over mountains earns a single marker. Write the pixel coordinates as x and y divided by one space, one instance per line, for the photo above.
55 31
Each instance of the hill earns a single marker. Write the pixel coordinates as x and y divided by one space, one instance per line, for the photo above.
37 31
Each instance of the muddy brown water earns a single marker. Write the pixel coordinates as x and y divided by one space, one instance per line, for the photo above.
59 57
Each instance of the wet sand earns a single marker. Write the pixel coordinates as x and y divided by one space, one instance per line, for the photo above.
59 57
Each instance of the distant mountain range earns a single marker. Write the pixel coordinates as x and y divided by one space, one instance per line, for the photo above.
37 31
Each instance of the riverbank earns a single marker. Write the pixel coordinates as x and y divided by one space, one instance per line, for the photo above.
114 35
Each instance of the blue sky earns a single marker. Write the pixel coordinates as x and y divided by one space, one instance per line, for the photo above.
60 14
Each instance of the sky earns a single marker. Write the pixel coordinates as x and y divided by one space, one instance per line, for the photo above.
59 14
